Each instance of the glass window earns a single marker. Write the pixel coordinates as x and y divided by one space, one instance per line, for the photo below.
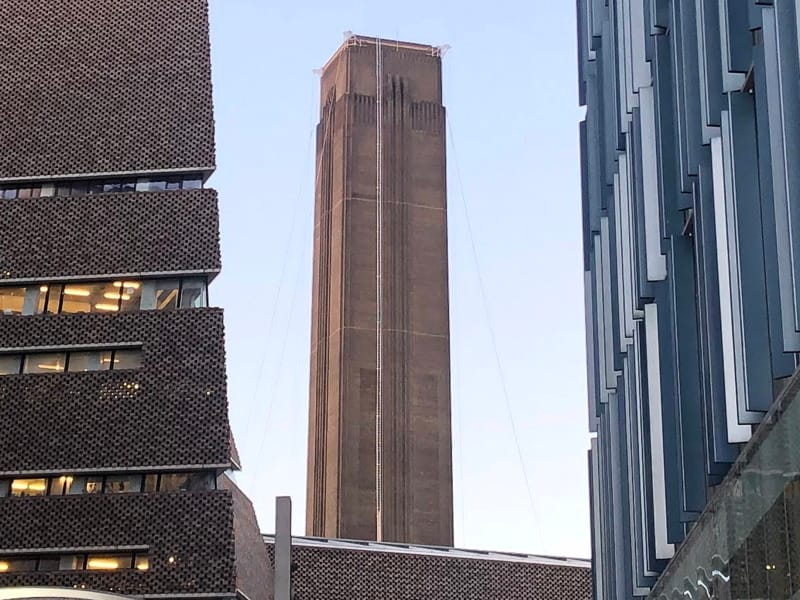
28 192
121 484
60 485
96 187
90 297
130 294
51 362
141 562
129 185
99 360
12 300
127 359
175 482
11 565
9 364
54 299
108 562
79 188
63 189
192 183
49 563
35 297
92 484
174 183
193 293
5 484
150 483
110 187
29 487
70 562
156 186
166 294
9 193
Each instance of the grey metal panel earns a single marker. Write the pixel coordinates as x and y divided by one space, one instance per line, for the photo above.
783 97
745 233
783 363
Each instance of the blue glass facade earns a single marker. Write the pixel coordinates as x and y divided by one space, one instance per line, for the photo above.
691 207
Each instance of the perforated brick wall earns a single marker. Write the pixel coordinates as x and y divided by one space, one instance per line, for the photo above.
108 86
109 234
194 528
176 416
345 574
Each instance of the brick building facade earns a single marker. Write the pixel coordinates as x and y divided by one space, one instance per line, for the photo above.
116 441
413 441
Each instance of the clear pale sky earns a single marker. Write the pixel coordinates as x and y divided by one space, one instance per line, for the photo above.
510 87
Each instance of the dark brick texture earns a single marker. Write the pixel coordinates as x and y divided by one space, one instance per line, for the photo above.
177 416
109 234
195 528
108 86
345 574
253 569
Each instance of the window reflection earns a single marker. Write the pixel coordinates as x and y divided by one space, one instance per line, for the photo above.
166 294
90 361
193 293
53 362
91 484
71 562
121 484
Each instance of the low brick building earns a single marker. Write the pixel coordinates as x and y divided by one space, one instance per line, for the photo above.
333 569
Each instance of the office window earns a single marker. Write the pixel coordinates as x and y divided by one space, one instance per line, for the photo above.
35 299
157 186
90 297
71 562
53 299
166 294
28 487
5 486
127 359
12 300
193 183
13 565
151 483
9 193
187 482
10 364
97 360
49 563
193 293
79 188
111 187
122 484
51 362
59 486
129 294
141 562
91 484
108 562
95 187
